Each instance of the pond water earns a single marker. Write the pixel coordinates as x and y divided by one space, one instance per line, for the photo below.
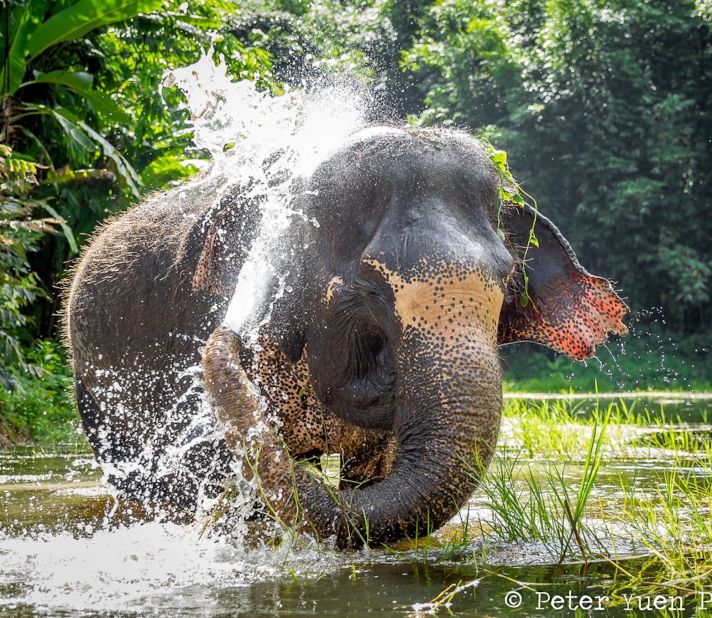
69 548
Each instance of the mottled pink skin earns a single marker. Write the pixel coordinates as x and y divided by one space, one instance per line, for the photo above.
575 319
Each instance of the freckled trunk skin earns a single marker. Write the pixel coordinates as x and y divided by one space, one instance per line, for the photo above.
446 424
446 434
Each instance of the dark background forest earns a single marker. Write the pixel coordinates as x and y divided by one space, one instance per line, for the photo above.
602 106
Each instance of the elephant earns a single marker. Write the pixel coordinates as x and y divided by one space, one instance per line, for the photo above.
405 273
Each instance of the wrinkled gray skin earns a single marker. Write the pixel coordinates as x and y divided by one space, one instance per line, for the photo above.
384 347
136 325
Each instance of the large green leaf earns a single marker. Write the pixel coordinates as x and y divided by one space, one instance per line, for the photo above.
83 17
73 132
123 167
164 169
65 228
106 106
24 20
88 139
79 82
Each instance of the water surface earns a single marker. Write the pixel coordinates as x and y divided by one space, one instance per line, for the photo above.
68 547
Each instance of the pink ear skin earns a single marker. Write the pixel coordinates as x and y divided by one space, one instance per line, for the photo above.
574 320
570 310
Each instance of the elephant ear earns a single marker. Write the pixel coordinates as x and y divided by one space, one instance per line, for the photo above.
223 237
208 271
551 299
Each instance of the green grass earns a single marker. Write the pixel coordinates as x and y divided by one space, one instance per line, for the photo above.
543 505
38 407
673 525
560 429
664 520
655 361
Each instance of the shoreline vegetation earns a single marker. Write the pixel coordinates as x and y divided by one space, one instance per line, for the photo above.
558 486
560 498
556 481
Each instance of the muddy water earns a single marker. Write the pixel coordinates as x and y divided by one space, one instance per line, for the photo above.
69 548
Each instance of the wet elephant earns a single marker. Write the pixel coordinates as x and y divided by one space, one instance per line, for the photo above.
381 345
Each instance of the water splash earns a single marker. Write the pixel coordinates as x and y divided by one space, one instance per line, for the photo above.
142 568
260 146
263 144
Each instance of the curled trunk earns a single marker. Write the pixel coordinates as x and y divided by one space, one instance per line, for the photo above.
446 423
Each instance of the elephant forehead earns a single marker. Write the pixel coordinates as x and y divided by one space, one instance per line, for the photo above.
444 298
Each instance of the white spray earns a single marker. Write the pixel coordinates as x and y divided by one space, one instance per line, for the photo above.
265 142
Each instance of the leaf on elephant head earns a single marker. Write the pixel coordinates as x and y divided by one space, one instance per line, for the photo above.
499 158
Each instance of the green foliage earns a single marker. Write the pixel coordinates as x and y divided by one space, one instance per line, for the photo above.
86 130
604 114
652 361
19 232
39 407
309 39
463 49
34 35
84 102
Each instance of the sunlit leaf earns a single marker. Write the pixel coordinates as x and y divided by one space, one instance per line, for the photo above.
65 228
83 17
78 80
84 135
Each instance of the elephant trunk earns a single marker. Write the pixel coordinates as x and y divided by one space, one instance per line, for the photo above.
446 422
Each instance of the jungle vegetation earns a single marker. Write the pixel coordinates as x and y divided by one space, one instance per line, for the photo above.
602 107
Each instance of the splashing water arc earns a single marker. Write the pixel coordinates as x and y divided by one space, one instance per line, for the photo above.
260 145
265 142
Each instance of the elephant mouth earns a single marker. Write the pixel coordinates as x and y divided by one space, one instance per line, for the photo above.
358 372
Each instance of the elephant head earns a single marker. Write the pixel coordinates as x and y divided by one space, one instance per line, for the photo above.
413 277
